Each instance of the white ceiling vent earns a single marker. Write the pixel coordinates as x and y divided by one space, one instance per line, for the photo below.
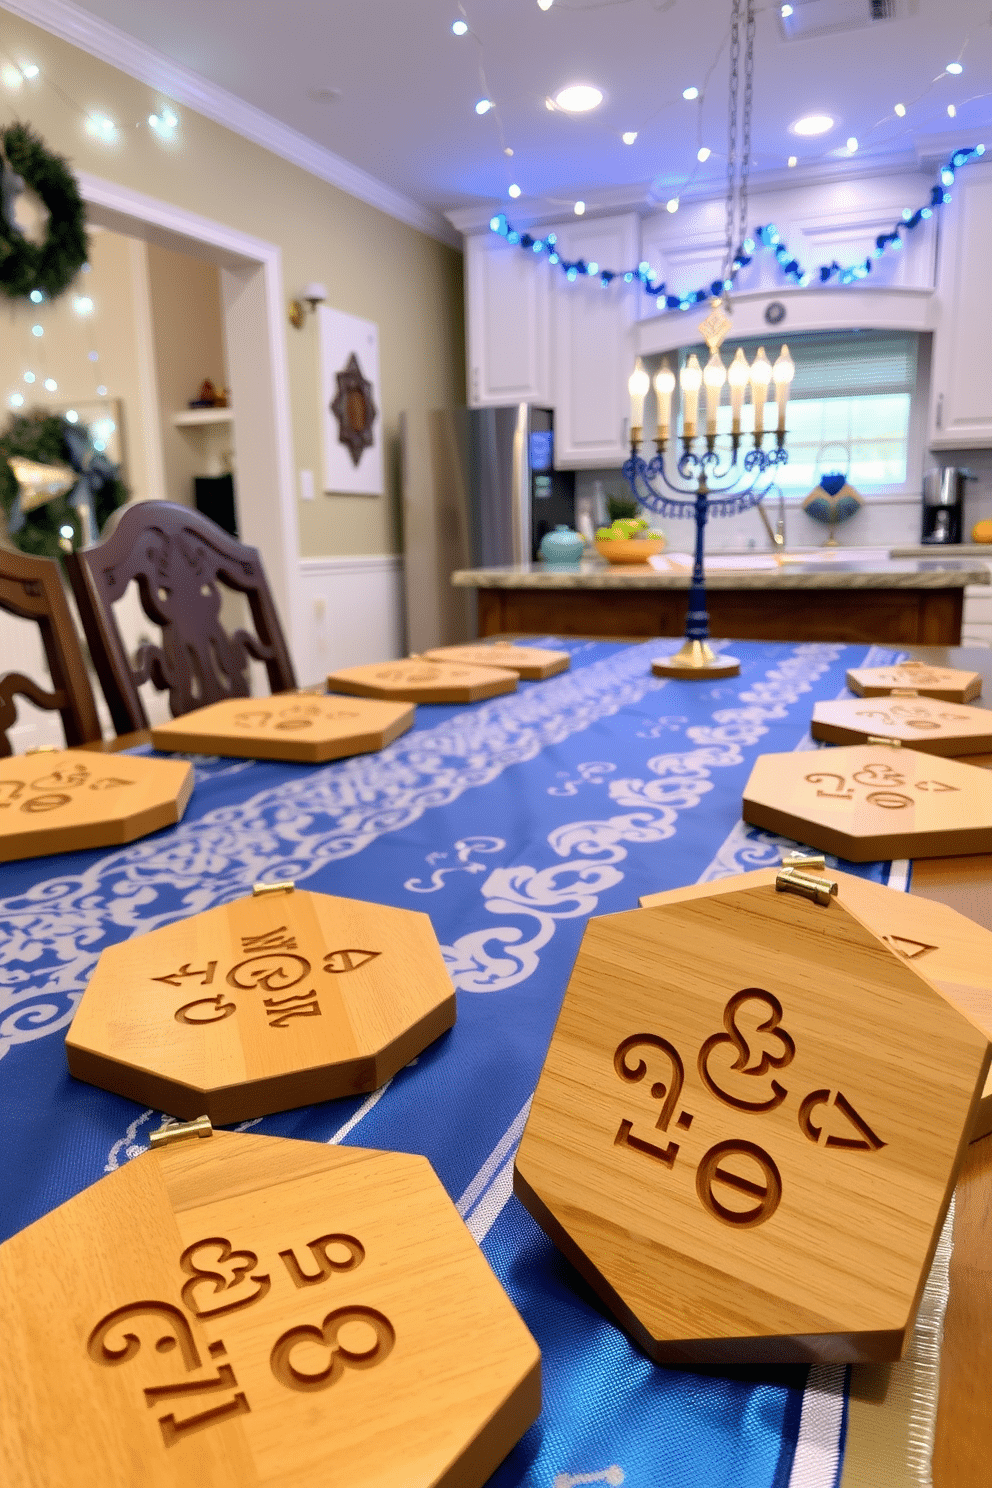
819 17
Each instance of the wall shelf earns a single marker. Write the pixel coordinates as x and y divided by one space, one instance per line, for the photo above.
191 417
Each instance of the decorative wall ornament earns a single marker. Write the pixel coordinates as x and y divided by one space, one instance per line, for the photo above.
351 421
49 267
355 410
764 237
39 521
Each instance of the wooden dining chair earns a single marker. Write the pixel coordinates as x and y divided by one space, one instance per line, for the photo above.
179 559
32 589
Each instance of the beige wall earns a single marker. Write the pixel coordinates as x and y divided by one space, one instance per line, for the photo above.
188 340
373 265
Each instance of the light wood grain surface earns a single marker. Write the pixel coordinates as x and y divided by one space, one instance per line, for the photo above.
262 1005
533 663
416 681
65 801
730 1111
924 724
866 802
304 727
249 1310
951 684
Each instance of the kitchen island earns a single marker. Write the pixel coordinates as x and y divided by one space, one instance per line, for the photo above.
819 596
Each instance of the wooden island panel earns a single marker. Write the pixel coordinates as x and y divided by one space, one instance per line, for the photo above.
902 616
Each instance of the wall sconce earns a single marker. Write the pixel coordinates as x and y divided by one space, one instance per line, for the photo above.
314 295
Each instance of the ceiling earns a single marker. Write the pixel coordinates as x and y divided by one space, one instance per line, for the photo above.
388 87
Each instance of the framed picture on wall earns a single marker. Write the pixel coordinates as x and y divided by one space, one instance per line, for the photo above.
351 417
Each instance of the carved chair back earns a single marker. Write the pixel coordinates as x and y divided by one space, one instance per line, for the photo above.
179 560
32 589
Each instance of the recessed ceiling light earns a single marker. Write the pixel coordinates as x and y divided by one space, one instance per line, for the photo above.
690 93
483 106
703 154
514 191
852 144
629 137
900 110
578 98
579 208
459 27
954 67
544 4
812 124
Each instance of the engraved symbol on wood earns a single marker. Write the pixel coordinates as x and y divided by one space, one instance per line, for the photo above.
372 1345
173 1430
279 1010
176 978
239 1263
865 1142
50 802
667 1093
743 1065
825 778
61 780
348 1255
276 971
9 792
889 800
763 1186
221 1010
911 949
349 960
934 785
878 773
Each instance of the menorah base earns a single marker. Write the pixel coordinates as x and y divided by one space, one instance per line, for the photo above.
696 662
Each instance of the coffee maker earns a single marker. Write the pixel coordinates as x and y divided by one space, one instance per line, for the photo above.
943 504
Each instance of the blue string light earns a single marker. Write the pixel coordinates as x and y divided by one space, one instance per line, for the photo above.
767 237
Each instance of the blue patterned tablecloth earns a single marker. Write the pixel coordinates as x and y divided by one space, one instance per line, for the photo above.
509 822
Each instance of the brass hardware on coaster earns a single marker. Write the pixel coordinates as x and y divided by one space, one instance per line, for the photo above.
904 692
285 887
43 749
881 739
180 1131
819 890
804 860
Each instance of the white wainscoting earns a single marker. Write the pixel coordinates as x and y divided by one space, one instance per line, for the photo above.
351 611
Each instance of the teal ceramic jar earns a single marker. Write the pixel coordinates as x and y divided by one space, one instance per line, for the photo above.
562 548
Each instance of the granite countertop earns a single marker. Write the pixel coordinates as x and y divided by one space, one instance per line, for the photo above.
809 571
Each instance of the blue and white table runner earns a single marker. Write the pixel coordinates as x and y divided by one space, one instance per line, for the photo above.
509 823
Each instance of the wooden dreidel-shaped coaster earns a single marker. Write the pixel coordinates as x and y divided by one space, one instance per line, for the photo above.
925 724
748 1126
271 1002
949 950
254 1312
67 800
305 727
533 663
872 801
416 681
949 684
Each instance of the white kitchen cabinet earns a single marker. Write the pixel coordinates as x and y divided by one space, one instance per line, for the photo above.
961 380
508 322
592 345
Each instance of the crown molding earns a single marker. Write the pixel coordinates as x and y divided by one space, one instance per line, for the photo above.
181 85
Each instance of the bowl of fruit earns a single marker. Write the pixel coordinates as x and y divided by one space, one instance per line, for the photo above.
629 540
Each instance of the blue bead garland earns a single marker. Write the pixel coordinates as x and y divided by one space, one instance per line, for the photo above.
765 237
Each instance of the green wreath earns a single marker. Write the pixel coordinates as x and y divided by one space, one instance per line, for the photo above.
50 266
51 440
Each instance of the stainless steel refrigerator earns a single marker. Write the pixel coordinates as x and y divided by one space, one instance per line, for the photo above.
479 491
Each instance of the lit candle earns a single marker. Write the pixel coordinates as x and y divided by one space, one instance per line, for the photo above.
714 376
783 372
739 376
690 379
761 376
664 387
637 385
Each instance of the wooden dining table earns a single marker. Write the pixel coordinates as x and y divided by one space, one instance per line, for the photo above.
962 1456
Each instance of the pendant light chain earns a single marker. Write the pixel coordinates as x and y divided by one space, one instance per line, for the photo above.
738 156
